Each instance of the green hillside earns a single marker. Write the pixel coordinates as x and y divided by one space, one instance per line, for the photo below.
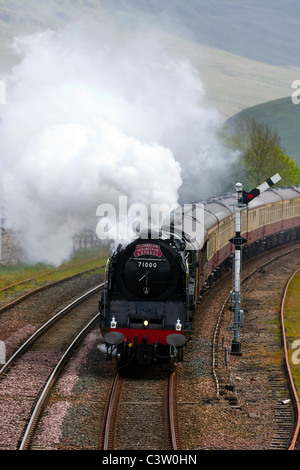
282 115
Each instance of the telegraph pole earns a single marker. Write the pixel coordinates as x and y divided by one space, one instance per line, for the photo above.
242 200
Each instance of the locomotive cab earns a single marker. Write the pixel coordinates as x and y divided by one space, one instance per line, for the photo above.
148 303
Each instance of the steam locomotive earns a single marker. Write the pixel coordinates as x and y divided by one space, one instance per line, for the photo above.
153 285
148 305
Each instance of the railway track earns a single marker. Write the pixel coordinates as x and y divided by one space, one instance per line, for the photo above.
174 439
222 344
134 410
28 376
141 401
286 407
31 291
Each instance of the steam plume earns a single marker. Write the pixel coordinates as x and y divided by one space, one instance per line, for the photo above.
84 123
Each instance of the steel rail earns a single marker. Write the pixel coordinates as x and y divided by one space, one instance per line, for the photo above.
215 345
50 284
106 438
49 385
291 384
172 412
44 327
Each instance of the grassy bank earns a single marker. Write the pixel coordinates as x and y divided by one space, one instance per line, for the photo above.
292 326
83 259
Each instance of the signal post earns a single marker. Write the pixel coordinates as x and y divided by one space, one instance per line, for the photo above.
242 200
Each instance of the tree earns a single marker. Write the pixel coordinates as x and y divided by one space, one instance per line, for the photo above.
287 168
261 155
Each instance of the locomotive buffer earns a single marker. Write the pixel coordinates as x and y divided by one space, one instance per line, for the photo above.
242 200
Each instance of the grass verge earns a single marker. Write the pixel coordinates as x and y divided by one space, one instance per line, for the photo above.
292 327
83 259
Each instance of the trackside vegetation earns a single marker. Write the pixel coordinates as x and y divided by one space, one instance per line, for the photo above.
260 153
292 327
82 260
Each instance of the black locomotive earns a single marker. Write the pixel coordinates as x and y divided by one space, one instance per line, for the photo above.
148 304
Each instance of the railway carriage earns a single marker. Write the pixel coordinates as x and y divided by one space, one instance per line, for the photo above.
153 285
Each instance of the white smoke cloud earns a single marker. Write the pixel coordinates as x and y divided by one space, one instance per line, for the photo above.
84 123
